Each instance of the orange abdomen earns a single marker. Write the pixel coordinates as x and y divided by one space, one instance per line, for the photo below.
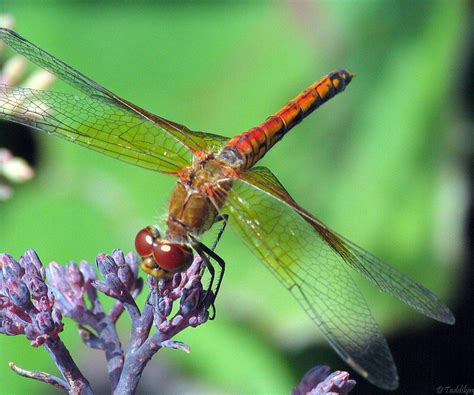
251 146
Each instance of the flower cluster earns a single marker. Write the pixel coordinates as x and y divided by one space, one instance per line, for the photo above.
27 305
187 287
74 283
30 306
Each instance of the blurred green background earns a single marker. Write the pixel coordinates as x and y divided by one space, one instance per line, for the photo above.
379 163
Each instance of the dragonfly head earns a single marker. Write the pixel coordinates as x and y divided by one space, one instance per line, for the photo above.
161 258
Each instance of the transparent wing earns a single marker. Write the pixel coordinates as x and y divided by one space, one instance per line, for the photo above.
95 124
209 141
312 262
101 120
383 276
315 276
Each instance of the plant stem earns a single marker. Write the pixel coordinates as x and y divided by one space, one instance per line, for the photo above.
78 384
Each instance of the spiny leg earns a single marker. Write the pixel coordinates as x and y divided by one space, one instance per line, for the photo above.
219 261
209 296
205 253
223 218
202 250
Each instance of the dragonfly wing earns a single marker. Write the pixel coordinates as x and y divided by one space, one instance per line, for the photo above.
160 140
95 124
209 141
316 276
383 276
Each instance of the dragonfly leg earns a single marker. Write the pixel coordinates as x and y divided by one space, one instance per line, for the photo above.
220 262
205 253
223 218
209 296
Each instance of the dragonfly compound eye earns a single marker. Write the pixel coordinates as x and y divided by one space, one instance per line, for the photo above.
172 257
144 241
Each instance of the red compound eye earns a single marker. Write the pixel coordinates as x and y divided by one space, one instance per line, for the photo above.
144 242
172 257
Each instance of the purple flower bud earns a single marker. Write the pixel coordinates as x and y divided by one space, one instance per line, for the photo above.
44 304
57 316
106 264
18 292
203 316
177 320
125 275
44 322
132 261
194 282
74 275
336 383
68 296
176 280
10 267
88 273
152 282
208 300
190 299
8 327
37 287
19 316
32 264
4 302
164 286
55 274
118 257
114 283
101 286
39 340
125 271
165 306
318 381
164 327
311 379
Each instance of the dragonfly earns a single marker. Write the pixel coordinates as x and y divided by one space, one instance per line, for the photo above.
217 181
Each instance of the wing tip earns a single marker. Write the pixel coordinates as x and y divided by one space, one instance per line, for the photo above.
438 309
389 381
447 316
389 386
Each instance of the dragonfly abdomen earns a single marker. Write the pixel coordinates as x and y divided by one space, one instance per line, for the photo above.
251 146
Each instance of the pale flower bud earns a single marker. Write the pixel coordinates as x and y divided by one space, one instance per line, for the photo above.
17 170
41 79
13 70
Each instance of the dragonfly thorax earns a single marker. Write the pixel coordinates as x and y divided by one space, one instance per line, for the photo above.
196 199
